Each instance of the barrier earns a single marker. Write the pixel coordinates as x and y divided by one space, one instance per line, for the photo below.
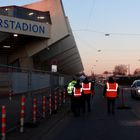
64 96
123 104
60 98
55 101
34 110
3 123
50 104
44 106
10 94
22 114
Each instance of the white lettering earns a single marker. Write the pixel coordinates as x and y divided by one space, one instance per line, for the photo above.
15 25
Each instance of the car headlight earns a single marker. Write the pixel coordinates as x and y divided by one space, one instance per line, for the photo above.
138 90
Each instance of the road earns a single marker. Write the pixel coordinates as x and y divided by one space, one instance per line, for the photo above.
96 125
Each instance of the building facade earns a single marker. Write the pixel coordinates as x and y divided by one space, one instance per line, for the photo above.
38 36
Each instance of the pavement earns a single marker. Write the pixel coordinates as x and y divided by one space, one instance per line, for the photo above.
97 124
35 131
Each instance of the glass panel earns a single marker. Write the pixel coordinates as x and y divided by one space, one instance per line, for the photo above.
138 84
24 13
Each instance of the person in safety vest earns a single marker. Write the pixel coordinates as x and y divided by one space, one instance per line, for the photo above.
111 92
87 90
77 98
70 90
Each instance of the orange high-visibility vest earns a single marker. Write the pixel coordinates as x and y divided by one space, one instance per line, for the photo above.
111 90
86 88
77 92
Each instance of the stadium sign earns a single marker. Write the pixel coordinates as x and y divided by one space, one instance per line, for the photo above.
25 27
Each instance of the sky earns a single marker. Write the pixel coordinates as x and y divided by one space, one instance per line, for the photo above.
107 32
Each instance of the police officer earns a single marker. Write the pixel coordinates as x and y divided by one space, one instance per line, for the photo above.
111 91
77 94
86 96
70 90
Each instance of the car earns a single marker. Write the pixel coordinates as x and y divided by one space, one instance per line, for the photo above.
135 89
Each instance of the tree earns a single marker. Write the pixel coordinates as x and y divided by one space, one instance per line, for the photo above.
120 70
137 71
106 72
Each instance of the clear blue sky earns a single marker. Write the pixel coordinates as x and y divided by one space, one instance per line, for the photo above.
91 20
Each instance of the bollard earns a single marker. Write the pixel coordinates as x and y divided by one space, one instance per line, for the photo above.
22 114
123 105
50 104
60 98
64 96
3 123
55 101
34 110
44 106
10 94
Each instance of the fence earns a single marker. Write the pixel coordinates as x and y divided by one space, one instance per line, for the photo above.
25 80
33 84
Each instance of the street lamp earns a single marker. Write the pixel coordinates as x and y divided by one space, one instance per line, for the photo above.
107 34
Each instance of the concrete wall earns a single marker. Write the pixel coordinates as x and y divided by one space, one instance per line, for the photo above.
24 59
24 81
59 27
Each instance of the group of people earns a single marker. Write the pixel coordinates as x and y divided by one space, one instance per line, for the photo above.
80 94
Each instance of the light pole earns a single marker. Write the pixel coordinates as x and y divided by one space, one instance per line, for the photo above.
128 69
107 34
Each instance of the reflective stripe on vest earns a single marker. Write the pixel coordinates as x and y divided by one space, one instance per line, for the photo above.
86 88
77 92
70 88
111 90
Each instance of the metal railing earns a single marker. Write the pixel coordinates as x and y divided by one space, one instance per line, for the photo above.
26 80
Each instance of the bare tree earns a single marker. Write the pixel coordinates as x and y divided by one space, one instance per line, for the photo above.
106 72
137 71
120 70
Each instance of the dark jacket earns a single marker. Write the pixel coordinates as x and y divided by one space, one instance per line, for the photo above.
77 85
86 81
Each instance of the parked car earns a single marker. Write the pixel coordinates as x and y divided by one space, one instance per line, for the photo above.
135 89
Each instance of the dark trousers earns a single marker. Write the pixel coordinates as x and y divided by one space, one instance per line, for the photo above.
76 105
111 105
71 102
86 102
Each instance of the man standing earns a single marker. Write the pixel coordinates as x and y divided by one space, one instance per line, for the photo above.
70 90
86 97
77 94
111 91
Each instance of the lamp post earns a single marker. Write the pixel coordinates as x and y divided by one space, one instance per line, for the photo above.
107 34
128 69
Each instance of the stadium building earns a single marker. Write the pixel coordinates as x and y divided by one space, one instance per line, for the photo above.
36 37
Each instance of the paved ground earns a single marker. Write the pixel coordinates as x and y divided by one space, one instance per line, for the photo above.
96 125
